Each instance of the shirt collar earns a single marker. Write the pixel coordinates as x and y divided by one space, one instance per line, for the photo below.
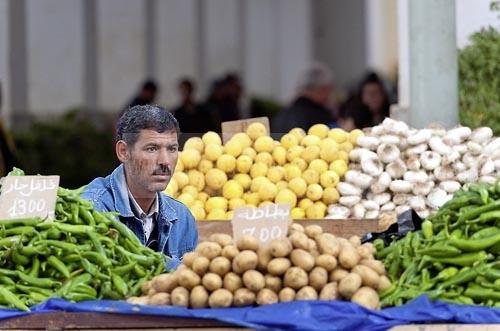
138 210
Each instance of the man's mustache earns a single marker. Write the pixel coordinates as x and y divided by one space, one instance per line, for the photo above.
163 170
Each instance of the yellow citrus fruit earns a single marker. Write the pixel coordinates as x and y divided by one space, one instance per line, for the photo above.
301 163
233 147
319 130
251 198
314 192
205 165
257 183
216 214
216 203
229 215
212 192
268 191
264 157
310 140
211 137
250 152
321 205
258 170
281 185
297 213
244 179
194 143
243 164
328 149
315 212
213 151
305 203
299 133
329 179
319 165
279 155
294 152
226 163
202 197
236 202
338 135
232 189
172 188
190 158
186 198
198 212
346 146
196 179
275 174
256 130
193 191
179 166
264 144
310 153
215 178
310 176
354 135
243 138
181 179
289 140
286 196
292 171
298 185
265 203
330 195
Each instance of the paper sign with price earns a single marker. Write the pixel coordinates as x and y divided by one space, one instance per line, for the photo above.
266 223
28 196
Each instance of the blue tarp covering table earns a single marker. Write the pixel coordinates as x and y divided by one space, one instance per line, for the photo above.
299 315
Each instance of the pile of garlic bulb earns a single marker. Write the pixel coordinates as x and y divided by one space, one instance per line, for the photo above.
395 168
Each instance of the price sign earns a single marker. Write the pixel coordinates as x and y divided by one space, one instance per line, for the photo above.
28 196
266 223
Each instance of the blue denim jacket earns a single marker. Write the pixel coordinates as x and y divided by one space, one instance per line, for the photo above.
176 225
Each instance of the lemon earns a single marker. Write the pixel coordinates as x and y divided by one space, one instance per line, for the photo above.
236 202
338 135
330 195
216 203
205 165
354 135
289 140
297 213
216 215
305 203
215 178
249 151
329 179
265 203
344 156
299 133
310 153
213 151
252 198
244 179
346 146
243 139
275 174
226 163
194 143
310 140
186 198
232 189
314 192
286 196
202 197
257 183
264 157
190 158
172 188
268 191
191 190
233 147
321 205
292 171
315 212
211 191
181 179
258 170
243 164
294 152
264 144
301 163
319 130
196 179
298 186
339 166
229 215
211 138
256 130
319 165
198 212
279 155
281 185
179 166
328 149
310 176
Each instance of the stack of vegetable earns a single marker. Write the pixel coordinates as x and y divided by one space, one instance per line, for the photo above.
308 265
455 257
395 168
82 255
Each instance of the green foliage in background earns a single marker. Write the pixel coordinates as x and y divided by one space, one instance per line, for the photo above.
479 80
69 146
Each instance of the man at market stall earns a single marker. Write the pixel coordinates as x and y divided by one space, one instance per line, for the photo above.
147 147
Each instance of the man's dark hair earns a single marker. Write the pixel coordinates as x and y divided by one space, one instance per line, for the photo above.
138 118
150 85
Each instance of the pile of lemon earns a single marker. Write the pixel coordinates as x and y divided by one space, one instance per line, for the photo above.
251 169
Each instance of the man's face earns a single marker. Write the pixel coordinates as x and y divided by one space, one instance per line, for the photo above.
150 162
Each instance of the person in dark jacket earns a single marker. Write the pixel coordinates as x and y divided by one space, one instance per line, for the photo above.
311 105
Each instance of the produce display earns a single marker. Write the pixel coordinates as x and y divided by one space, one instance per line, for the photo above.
81 255
395 168
251 169
455 257
307 265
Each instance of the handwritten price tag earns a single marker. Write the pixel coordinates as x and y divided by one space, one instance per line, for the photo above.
28 196
266 223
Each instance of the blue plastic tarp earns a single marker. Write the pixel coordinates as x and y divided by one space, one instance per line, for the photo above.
298 315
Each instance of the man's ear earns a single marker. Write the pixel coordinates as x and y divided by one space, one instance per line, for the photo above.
122 152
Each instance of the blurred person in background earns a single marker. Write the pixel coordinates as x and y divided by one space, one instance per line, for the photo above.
230 102
146 95
8 158
368 107
312 105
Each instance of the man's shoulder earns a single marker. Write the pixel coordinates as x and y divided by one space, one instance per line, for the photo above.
98 191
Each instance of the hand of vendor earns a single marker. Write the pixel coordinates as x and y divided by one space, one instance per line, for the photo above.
147 147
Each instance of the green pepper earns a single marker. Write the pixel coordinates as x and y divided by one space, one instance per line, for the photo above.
478 211
58 265
427 229
473 245
12 299
463 260
119 284
6 280
40 282
26 230
146 261
19 259
97 258
35 267
440 250
485 232
465 275
74 229
21 221
482 294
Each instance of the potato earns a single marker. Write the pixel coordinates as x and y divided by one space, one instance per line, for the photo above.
264 256
198 297
299 240
273 283
151 292
144 300
366 296
221 238
306 293
188 258
164 282
266 297
281 248
278 266
146 286
337 274
348 256
247 242
329 262
368 276
364 252
383 283
243 297
311 245
209 249
220 298
220 265
232 282
211 281
253 280
328 244
376 265
286 294
349 285
295 227
329 292
229 252
318 277
200 265
180 296
295 278
303 259
313 230
355 241
245 260
188 279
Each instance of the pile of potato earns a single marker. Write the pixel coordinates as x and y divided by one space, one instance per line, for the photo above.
307 265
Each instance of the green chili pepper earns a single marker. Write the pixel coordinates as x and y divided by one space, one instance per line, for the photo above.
19 259
58 265
12 299
6 280
463 260
478 211
40 282
74 229
146 261
97 244
427 229
35 267
473 245
440 250
482 294
97 258
86 216
9 241
485 232
26 230
76 297
21 221
119 284
465 275
89 267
